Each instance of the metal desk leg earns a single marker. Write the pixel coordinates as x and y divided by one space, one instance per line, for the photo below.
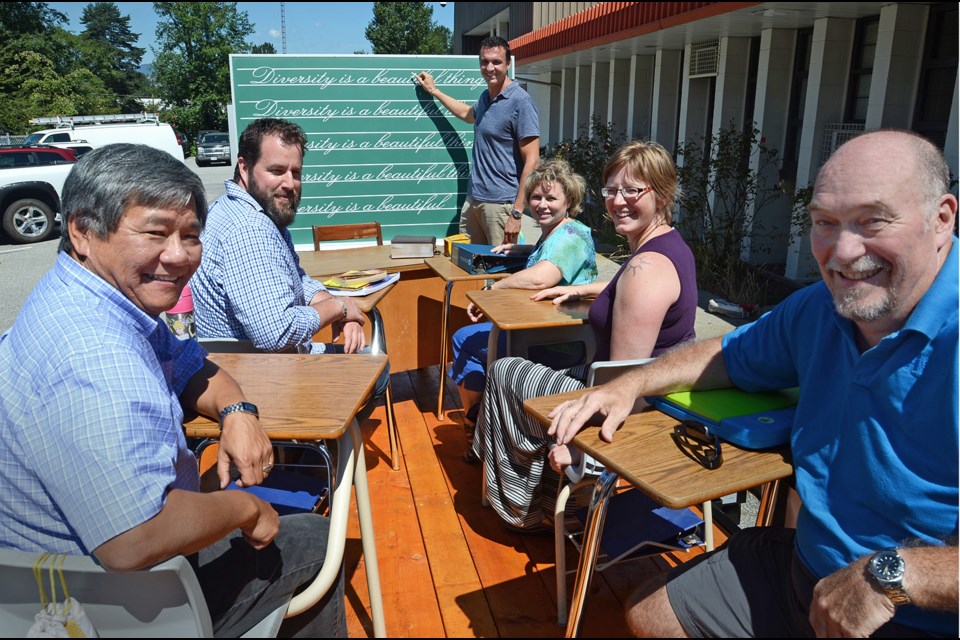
336 540
708 525
378 340
443 347
366 533
596 516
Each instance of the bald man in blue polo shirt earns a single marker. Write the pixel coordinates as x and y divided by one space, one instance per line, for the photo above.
873 348
506 147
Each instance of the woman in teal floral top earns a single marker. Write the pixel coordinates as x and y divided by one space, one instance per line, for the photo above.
564 255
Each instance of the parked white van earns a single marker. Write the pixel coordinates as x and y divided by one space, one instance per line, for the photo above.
159 135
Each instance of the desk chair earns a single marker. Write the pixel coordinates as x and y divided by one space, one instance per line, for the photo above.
354 232
346 232
635 525
164 601
298 483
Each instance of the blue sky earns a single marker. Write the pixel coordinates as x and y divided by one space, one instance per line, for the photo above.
312 27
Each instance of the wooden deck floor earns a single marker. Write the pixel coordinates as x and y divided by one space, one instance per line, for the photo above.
447 567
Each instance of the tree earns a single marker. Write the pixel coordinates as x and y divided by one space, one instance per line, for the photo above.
41 73
407 27
191 68
266 47
108 49
21 18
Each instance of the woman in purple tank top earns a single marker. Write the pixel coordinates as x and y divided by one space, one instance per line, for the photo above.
648 307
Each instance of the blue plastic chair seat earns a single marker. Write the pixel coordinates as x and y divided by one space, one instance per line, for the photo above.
636 525
288 491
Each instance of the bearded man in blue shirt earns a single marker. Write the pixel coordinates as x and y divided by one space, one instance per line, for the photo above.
250 285
873 348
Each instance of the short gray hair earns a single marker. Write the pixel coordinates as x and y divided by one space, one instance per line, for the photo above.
107 181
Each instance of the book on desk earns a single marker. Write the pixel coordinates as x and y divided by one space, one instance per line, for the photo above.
413 246
480 258
335 287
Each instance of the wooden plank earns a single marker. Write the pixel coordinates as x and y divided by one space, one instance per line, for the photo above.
458 588
410 605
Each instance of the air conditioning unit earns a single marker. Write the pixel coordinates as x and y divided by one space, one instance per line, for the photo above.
835 135
704 59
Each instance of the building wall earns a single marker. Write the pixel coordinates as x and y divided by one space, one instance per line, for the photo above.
655 96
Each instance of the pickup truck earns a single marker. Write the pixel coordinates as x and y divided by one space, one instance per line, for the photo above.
30 200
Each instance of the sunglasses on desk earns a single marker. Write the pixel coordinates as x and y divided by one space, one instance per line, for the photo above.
697 443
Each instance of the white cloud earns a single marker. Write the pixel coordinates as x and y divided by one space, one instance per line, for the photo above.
274 33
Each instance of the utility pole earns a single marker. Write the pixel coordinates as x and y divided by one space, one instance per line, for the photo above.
283 28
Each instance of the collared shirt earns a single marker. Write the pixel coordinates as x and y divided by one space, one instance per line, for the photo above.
91 436
250 284
875 437
499 126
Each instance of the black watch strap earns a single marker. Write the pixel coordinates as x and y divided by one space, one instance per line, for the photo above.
516 214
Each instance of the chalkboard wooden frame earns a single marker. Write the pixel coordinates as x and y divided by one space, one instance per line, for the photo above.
379 147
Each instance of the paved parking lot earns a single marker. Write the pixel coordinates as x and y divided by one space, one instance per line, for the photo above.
22 265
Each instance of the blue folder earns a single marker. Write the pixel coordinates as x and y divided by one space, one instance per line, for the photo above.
749 420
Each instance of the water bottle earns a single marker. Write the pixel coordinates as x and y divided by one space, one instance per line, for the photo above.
180 316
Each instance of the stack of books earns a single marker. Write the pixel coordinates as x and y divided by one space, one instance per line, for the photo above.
359 283
354 279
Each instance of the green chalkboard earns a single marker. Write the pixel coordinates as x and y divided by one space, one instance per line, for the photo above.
379 147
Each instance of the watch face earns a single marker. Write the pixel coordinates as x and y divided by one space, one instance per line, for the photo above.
887 565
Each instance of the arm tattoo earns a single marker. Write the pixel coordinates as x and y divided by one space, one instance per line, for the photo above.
637 264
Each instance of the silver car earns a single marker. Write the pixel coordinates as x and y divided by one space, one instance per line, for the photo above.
213 147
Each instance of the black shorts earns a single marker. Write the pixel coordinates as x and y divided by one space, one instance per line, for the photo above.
755 586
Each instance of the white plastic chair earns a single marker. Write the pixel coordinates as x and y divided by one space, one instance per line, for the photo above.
648 529
164 601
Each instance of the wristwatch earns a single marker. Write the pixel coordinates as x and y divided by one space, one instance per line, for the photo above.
516 214
886 567
238 407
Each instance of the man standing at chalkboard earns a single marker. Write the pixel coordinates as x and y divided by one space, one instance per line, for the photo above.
506 147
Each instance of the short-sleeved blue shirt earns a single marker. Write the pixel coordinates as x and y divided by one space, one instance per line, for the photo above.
875 437
498 128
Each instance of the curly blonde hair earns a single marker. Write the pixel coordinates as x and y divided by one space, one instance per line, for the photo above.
557 170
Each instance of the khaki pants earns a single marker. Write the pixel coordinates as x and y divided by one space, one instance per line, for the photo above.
484 221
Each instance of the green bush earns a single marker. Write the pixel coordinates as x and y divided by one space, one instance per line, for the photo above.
720 195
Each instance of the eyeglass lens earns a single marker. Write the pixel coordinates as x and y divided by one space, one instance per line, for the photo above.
628 192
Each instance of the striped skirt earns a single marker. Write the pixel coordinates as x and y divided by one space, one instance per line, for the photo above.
513 446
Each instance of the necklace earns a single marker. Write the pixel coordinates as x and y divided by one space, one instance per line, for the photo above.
649 232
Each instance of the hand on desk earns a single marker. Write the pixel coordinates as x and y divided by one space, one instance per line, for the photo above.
557 294
610 402
353 338
244 443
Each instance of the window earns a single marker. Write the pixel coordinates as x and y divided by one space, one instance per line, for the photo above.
798 98
938 74
861 69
